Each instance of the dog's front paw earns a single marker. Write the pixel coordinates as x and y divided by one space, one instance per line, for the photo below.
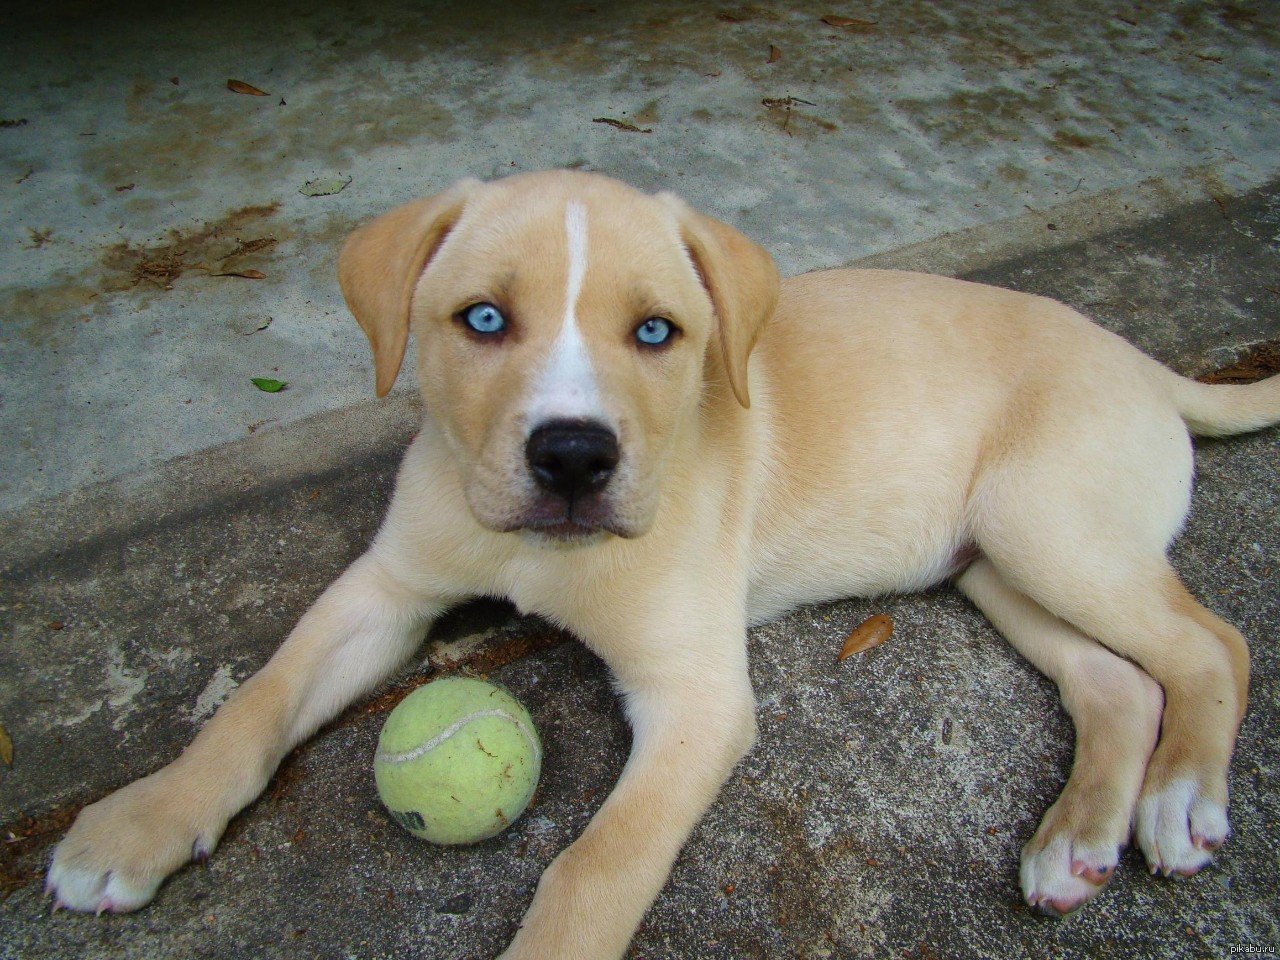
1179 826
121 848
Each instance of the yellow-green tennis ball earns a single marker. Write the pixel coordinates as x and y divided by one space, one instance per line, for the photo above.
457 761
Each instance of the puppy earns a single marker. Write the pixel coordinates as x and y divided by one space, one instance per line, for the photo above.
634 429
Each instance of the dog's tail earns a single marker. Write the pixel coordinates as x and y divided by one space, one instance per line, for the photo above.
1221 409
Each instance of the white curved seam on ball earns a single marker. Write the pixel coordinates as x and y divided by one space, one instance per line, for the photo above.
404 756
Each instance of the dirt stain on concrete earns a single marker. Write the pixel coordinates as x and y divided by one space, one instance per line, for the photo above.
1012 173
236 243
978 118
814 917
65 299
22 854
228 245
1066 140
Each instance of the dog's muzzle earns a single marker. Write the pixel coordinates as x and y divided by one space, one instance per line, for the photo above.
571 463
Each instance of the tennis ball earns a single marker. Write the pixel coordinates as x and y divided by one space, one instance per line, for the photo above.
457 761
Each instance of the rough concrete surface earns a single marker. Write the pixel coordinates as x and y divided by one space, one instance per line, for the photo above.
133 177
880 814
154 551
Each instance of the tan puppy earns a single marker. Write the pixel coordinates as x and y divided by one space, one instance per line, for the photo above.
604 446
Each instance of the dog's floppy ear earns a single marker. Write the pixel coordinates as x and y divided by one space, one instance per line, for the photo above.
380 265
741 279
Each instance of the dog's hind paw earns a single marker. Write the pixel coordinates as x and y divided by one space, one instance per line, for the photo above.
1064 874
120 849
1179 828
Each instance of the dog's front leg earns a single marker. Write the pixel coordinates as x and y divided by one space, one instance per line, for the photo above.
121 848
693 717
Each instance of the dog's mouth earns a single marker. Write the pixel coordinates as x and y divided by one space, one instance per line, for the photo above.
566 530
570 522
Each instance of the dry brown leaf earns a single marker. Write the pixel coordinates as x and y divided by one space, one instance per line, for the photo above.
870 633
239 86
772 102
848 23
6 747
626 125
1260 361
247 274
774 54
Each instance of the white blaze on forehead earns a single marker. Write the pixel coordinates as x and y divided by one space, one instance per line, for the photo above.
575 228
566 386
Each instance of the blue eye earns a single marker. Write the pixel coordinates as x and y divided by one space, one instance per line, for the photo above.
484 318
655 331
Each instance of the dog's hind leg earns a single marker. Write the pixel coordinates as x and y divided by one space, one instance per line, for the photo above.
121 848
1115 708
1202 663
1087 542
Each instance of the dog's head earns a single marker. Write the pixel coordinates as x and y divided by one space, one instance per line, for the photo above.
566 326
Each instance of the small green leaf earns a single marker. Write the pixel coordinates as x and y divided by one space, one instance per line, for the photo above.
324 186
268 385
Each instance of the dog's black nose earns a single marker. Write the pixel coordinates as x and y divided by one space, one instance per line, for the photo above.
571 458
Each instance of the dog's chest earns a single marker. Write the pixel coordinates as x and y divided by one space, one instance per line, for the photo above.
550 583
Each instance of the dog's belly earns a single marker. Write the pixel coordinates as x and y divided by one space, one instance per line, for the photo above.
829 554
874 419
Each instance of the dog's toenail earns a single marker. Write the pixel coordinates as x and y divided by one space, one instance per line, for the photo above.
1049 908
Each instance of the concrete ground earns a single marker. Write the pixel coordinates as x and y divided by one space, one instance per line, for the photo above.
133 178
154 550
